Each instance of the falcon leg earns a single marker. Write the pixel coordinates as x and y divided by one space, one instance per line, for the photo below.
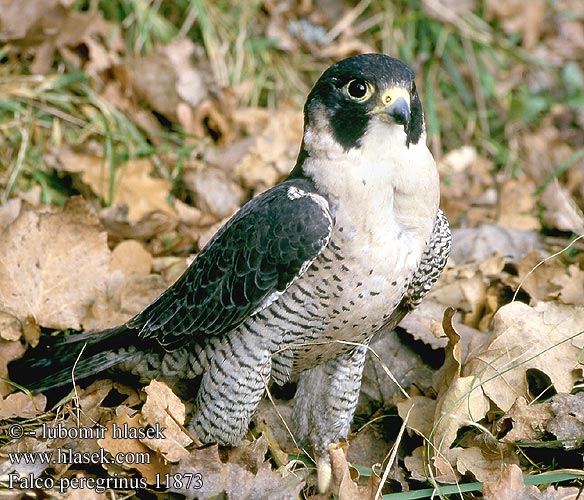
230 390
325 403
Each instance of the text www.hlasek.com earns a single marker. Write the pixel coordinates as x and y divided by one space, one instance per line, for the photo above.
71 457
65 456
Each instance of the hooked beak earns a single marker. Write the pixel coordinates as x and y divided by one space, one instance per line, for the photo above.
394 106
399 111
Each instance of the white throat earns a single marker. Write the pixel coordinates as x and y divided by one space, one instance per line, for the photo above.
380 184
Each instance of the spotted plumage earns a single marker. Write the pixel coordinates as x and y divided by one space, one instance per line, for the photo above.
296 284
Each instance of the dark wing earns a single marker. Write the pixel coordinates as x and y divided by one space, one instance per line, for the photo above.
259 252
433 262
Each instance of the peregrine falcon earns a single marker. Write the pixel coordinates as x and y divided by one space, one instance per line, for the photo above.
295 285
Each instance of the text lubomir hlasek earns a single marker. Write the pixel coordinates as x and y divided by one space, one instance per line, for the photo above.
99 432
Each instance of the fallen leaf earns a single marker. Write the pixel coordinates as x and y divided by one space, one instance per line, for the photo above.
460 402
160 401
560 210
142 193
133 184
515 18
344 477
21 405
522 339
517 205
538 280
472 461
524 422
54 264
421 416
130 257
274 153
9 211
213 191
203 475
568 421
10 326
509 484
153 465
571 285
477 244
9 350
416 463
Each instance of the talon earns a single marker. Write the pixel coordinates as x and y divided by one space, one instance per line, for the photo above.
324 474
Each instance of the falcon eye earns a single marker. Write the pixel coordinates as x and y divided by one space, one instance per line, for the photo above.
358 89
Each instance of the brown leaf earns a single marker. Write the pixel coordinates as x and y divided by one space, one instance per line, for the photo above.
54 264
515 18
130 257
21 405
123 299
115 220
526 422
459 402
344 477
422 412
571 284
133 184
416 464
9 212
509 484
538 280
472 461
480 243
233 479
523 339
213 190
568 421
8 351
155 466
517 205
274 152
10 326
160 401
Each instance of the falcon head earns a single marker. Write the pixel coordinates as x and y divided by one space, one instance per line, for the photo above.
361 93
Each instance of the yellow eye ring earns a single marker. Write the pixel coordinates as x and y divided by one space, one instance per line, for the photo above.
358 89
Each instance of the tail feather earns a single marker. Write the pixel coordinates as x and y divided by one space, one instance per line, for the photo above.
60 359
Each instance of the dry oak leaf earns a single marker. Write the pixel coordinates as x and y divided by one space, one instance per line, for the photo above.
54 263
233 479
152 466
10 326
133 184
509 484
21 405
9 350
525 422
571 285
161 401
523 339
274 151
459 402
516 205
131 257
421 417
343 484
568 421
473 461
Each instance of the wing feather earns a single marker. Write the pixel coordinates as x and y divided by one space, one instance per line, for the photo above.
259 252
